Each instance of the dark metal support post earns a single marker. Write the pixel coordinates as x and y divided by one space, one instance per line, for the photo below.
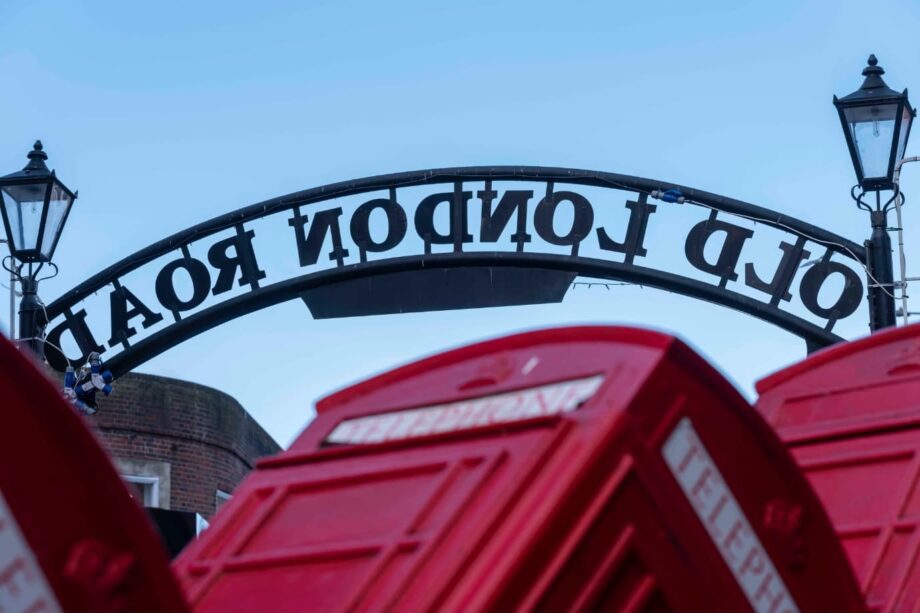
881 270
32 317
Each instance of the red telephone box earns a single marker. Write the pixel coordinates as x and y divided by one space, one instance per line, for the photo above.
567 469
71 536
851 417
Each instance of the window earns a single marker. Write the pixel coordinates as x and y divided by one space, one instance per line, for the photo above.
146 490
147 480
220 497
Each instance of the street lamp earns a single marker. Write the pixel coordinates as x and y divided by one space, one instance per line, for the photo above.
35 205
876 122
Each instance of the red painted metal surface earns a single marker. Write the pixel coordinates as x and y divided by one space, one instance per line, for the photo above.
567 469
71 537
851 417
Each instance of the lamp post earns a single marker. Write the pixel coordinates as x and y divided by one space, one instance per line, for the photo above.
34 206
876 121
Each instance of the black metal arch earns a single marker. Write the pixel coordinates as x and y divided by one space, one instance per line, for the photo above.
215 315
592 267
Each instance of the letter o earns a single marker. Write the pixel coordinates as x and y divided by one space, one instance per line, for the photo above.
396 225
201 284
582 220
849 298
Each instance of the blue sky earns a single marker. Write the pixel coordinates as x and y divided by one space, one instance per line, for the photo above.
166 114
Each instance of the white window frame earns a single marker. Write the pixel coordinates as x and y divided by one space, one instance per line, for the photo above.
151 495
141 470
221 498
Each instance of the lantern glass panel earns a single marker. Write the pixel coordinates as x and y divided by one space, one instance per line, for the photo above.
872 131
58 206
24 205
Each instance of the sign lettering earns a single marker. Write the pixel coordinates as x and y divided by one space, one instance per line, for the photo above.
725 522
23 586
465 414
511 224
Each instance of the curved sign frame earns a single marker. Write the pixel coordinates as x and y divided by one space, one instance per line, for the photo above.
371 268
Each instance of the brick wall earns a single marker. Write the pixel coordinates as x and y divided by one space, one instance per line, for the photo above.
206 438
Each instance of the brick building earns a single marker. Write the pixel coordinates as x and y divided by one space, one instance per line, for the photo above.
179 445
